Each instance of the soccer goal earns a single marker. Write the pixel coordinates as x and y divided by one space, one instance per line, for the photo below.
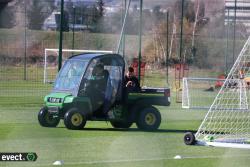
199 93
51 60
227 122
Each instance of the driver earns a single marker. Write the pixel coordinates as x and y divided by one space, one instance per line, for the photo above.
98 85
100 77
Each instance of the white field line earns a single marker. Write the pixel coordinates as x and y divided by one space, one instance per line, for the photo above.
153 159
140 160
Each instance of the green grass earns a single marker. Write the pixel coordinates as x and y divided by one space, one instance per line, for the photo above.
99 144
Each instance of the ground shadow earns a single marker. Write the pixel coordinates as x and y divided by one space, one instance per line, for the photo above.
136 130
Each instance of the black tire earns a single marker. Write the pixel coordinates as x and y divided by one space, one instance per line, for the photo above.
47 119
189 138
149 119
124 125
75 120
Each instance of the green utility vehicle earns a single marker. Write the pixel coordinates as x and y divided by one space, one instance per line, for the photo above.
90 87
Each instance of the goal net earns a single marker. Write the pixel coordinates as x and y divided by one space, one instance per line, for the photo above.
199 93
51 60
227 122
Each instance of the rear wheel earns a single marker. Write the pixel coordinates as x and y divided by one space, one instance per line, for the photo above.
47 119
124 125
73 119
149 119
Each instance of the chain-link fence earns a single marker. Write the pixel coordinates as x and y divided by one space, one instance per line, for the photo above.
211 39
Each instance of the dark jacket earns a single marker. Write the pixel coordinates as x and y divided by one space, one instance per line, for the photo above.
135 84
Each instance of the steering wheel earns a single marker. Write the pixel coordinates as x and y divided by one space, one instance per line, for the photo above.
84 87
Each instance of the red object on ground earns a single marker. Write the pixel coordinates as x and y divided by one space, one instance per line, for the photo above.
219 84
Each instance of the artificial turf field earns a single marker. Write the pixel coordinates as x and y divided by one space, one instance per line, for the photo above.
99 144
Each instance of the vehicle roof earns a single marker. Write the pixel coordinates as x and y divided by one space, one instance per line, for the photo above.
89 56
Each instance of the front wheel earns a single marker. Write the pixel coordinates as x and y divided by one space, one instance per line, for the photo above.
47 119
73 119
149 119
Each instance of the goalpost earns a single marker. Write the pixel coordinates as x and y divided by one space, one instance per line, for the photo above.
50 67
227 122
199 93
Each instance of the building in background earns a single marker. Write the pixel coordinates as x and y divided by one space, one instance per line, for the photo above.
242 13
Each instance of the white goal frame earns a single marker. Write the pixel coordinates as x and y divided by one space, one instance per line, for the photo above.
46 50
187 99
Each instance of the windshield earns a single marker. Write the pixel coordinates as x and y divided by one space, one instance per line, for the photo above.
70 75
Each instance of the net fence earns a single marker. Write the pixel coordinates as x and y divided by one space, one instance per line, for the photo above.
28 27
